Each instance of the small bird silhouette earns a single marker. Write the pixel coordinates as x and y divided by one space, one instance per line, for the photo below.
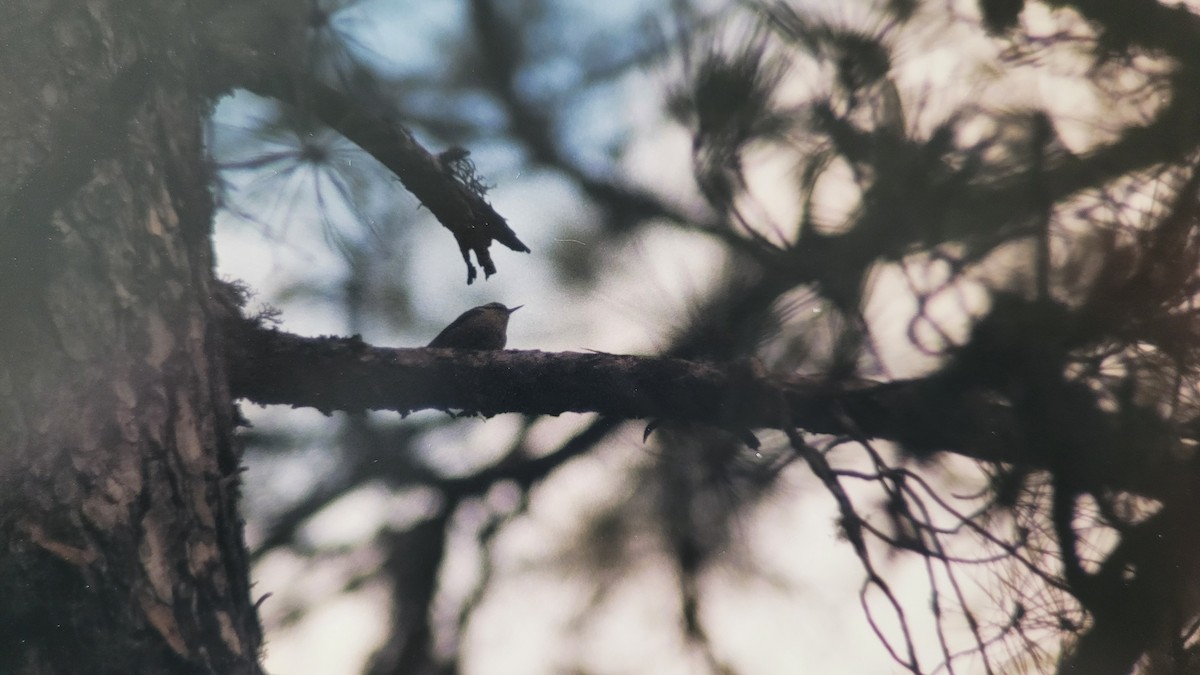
483 327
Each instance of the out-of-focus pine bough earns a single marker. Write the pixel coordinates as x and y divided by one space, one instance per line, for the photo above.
1091 349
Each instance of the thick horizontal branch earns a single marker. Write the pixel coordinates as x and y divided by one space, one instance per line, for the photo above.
336 373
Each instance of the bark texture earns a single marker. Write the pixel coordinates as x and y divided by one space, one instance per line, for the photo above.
120 543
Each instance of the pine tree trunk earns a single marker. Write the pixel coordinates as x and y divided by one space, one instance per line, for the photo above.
121 546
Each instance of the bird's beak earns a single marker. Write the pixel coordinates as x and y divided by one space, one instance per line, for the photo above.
513 309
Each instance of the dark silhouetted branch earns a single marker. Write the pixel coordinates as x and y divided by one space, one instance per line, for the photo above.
925 415
440 182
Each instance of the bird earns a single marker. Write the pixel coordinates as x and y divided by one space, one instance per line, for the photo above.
483 327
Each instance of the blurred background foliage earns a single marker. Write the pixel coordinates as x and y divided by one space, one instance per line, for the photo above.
889 189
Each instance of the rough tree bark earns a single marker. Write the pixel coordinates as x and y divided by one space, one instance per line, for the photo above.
121 546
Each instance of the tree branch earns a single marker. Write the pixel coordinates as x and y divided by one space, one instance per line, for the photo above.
924 415
247 57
